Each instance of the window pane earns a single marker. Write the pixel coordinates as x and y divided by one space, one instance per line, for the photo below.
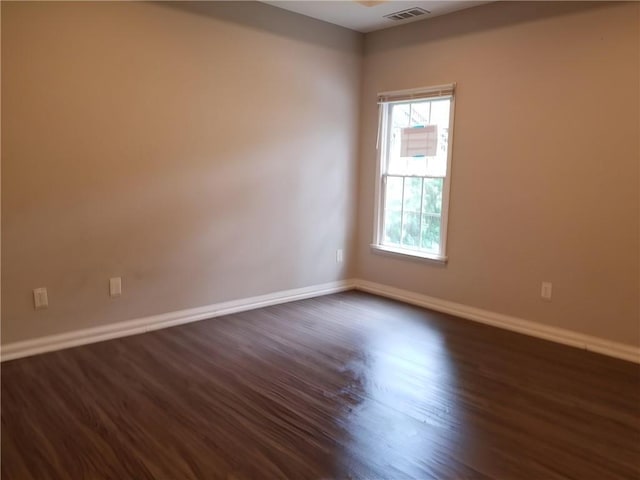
432 195
430 234
392 226
393 193
419 114
407 201
393 210
395 164
437 165
412 194
411 230
406 115
411 207
400 115
415 165
399 120
440 113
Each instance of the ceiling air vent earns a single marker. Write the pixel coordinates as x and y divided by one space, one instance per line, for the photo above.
408 13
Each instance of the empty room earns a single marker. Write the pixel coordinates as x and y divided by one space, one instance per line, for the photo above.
320 240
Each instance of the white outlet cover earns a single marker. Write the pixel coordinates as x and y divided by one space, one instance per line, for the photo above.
40 298
115 286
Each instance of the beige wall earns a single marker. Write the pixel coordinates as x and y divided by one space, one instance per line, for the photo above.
208 152
203 152
545 175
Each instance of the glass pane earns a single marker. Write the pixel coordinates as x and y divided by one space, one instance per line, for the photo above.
440 113
412 194
432 195
411 230
399 120
396 165
405 115
400 115
415 165
393 210
419 114
393 194
430 234
440 110
392 227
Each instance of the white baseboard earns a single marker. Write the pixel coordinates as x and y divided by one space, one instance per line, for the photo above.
534 329
156 322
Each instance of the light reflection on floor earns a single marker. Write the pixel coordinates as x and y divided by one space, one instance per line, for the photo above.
407 409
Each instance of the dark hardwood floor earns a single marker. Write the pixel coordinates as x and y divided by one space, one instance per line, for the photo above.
348 386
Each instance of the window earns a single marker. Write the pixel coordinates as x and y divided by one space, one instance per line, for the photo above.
414 151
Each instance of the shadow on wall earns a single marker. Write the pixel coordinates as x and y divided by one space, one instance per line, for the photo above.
272 19
483 17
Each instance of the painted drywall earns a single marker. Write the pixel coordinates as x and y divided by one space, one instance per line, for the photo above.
204 152
545 175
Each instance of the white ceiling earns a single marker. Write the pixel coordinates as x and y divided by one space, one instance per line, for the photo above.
368 15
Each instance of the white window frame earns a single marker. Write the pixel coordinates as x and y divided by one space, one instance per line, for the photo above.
385 100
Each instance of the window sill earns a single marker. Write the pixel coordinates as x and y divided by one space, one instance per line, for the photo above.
408 254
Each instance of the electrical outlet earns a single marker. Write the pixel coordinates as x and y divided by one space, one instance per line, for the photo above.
339 256
40 298
545 292
115 286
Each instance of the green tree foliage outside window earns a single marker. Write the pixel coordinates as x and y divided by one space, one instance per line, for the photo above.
412 212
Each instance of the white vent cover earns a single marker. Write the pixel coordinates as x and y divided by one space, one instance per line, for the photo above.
408 13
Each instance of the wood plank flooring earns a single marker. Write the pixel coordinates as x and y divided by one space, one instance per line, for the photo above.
347 386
